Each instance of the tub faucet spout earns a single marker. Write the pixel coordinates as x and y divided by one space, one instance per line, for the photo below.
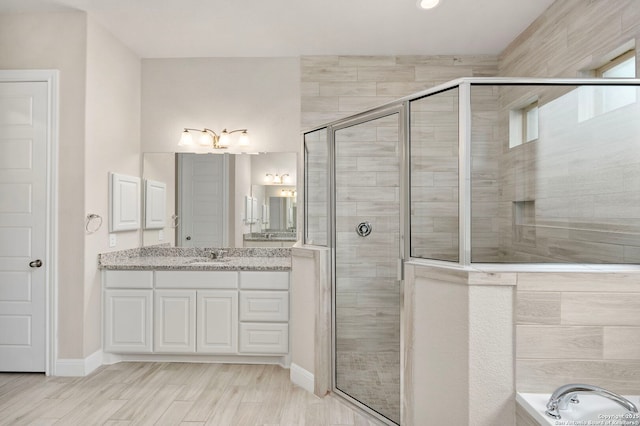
568 393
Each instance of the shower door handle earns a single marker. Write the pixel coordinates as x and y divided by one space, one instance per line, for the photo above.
364 229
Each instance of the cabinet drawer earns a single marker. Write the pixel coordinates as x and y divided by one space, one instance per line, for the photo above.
260 280
264 338
197 279
128 279
264 306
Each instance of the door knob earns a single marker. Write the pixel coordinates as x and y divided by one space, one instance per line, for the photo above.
35 263
188 238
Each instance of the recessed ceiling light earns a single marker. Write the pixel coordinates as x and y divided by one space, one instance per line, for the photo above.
428 4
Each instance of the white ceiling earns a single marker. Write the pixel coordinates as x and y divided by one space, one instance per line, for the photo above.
257 28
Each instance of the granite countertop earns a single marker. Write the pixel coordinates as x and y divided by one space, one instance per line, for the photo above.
197 259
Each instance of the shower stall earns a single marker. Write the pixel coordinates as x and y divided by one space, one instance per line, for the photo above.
477 170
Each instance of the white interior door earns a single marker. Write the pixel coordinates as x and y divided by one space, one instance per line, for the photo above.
203 202
23 207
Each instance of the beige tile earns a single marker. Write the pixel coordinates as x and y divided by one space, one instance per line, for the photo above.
328 73
357 104
310 89
537 307
319 103
366 61
600 308
386 73
545 376
622 342
547 342
346 88
579 282
320 61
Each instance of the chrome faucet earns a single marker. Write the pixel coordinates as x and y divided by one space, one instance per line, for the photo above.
217 254
569 393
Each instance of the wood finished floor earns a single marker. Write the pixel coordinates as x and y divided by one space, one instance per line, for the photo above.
169 394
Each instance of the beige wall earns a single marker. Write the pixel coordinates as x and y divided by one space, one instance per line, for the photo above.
58 41
112 144
260 94
98 132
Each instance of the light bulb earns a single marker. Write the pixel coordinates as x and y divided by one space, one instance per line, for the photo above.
244 139
186 139
205 139
276 179
224 139
428 4
268 178
286 178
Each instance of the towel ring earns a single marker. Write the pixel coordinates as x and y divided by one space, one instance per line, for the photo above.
93 218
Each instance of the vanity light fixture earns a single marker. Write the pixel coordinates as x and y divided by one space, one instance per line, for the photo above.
276 179
428 4
209 138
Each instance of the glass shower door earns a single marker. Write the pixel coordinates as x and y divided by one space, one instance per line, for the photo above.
367 249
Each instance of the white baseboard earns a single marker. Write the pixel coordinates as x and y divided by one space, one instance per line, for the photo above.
301 377
79 367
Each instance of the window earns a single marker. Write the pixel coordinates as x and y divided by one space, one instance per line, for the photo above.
595 101
523 124
623 66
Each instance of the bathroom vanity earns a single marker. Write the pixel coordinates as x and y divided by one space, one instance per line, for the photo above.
183 302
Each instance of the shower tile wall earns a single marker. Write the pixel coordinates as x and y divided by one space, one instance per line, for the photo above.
584 197
317 185
580 179
335 87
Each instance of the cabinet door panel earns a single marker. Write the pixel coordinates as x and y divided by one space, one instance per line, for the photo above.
175 321
127 327
217 322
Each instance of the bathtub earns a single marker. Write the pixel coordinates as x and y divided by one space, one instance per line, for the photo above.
592 410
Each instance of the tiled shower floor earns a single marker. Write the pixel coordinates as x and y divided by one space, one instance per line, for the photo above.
372 378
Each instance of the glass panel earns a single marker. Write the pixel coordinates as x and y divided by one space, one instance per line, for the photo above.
572 195
367 291
434 176
316 181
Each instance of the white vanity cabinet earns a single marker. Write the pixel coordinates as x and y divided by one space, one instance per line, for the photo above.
231 313
264 312
127 311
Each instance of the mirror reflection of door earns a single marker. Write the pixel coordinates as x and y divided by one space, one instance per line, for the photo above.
203 199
